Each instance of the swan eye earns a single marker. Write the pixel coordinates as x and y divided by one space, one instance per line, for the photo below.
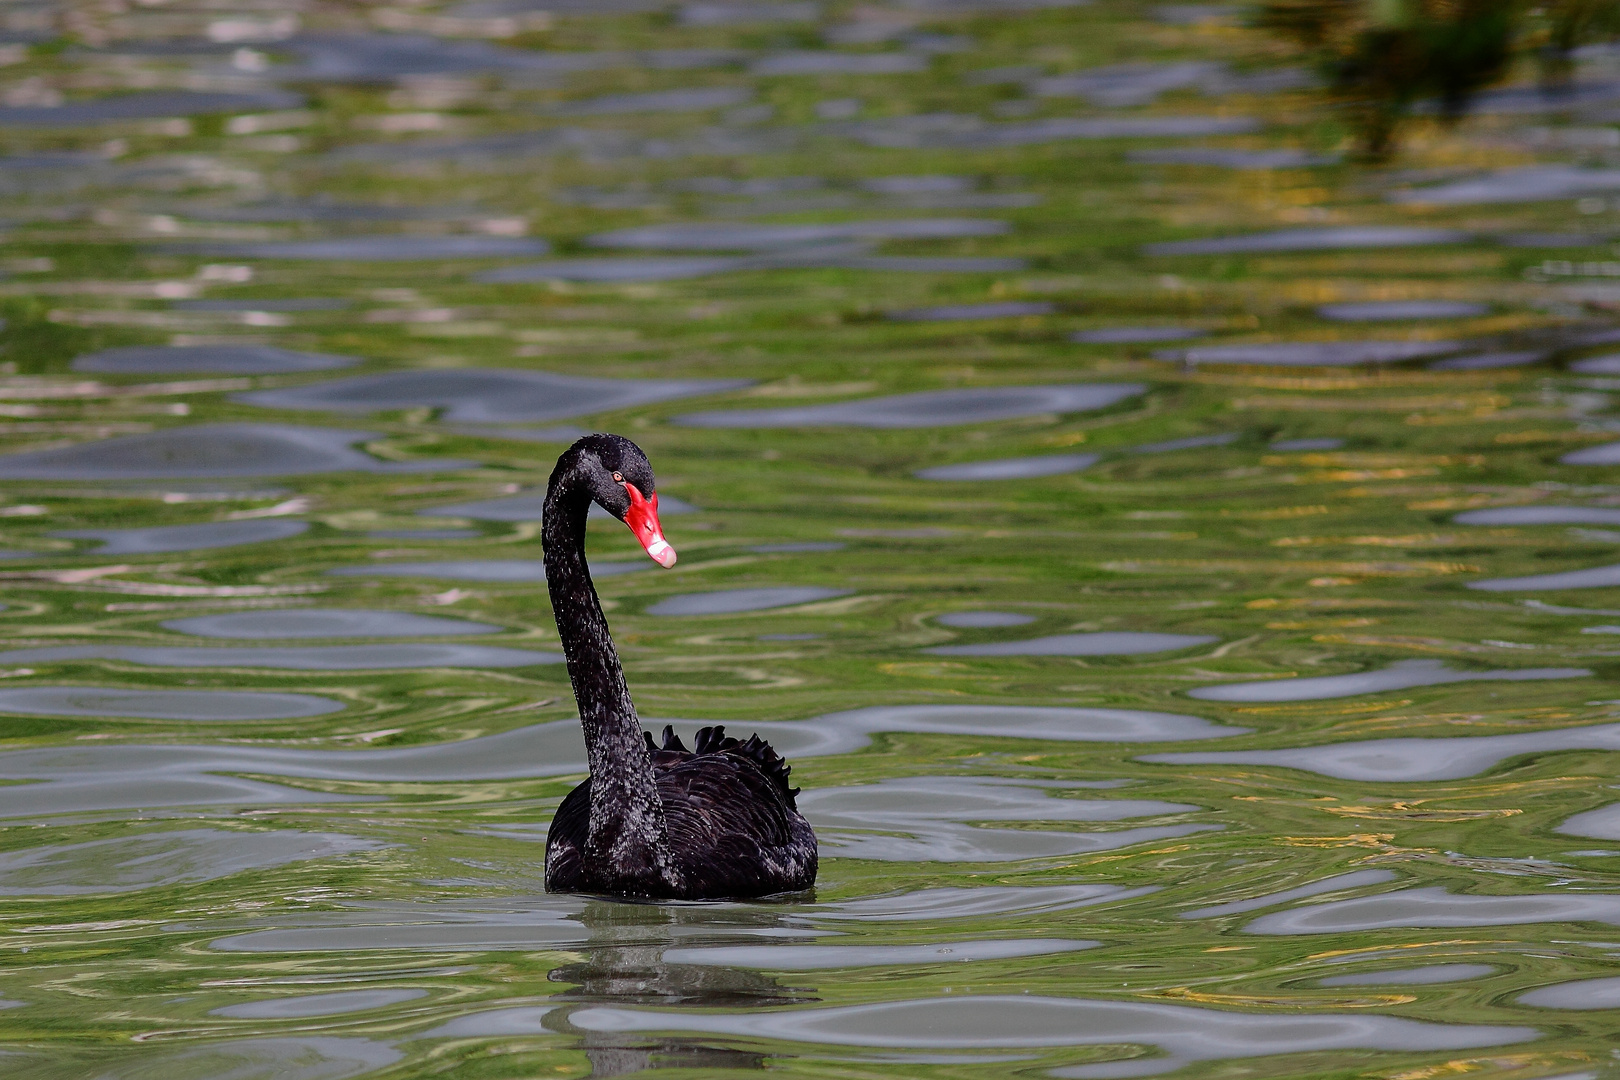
618 478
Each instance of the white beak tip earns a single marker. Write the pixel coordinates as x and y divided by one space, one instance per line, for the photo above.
662 553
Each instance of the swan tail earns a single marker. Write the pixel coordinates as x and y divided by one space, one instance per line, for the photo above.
714 740
672 741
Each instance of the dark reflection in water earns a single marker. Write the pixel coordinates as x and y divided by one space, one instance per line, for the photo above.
625 962
625 958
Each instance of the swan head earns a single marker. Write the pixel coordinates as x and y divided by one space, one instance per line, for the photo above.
620 480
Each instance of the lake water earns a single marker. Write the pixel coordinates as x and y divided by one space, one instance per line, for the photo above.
1178 562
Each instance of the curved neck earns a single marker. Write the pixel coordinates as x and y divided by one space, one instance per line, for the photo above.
627 822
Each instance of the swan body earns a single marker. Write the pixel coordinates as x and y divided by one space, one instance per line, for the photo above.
717 821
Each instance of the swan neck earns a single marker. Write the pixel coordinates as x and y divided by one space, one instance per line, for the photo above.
627 825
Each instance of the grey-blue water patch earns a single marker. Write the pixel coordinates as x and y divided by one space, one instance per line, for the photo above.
510 1022
924 264
1535 183
1183 1034
1403 761
541 923
325 623
1399 310
939 819
397 656
1141 83
949 130
927 184
374 248
558 433
145 105
486 395
979 901
159 859
531 505
1607 454
215 534
1123 85
983 620
1490 361
680 267
1427 975
627 269
386 58
989 7
1600 824
1289 446
736 601
835 957
229 359
812 62
734 236
687 100
1106 643
1521 100
852 729
1401 675
486 570
1598 365
278 211
1313 353
1191 442
930 408
1437 909
1552 240
337 1003
1354 879
1541 515
208 450
1024 468
1004 309
162 704
590 143
1132 335
1581 994
51 162
1230 159
1346 238
713 13
304 1057
1596 577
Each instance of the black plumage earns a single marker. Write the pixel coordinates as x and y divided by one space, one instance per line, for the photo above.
718 821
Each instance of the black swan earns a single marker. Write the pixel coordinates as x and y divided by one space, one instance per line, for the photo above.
652 822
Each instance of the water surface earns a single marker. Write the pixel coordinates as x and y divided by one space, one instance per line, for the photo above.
325 623
927 409
485 395
216 534
227 359
1046 335
228 449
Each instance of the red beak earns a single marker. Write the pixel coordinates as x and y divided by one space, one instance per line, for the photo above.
642 518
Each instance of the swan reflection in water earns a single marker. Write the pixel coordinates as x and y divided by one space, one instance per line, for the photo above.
624 965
